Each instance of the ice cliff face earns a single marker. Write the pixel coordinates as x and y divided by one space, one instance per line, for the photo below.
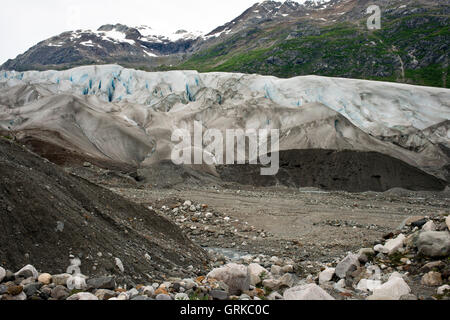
375 107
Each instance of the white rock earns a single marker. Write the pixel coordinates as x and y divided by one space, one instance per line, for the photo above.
434 243
83 296
28 271
181 296
288 268
187 203
119 264
275 270
391 290
395 275
393 245
149 291
307 292
274 296
188 284
345 265
340 285
380 248
326 275
442 289
447 222
2 274
132 293
429 226
368 285
233 275
255 272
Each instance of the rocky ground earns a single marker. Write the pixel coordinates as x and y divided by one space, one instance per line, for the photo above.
411 263
275 243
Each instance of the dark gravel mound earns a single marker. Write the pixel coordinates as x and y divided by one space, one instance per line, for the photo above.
47 215
336 170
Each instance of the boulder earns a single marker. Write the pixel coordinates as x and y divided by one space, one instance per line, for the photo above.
326 275
104 294
368 285
307 292
219 294
434 243
287 280
429 226
443 289
102 283
27 272
45 278
61 279
347 264
2 274
235 276
394 289
163 297
432 279
394 245
86 296
256 273
60 293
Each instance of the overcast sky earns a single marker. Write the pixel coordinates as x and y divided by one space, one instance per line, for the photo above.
24 23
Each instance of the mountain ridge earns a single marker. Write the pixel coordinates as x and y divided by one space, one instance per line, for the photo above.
284 39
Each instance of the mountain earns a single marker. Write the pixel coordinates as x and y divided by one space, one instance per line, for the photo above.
138 46
284 39
108 114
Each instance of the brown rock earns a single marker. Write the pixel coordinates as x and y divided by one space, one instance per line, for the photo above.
15 290
432 279
45 278
161 291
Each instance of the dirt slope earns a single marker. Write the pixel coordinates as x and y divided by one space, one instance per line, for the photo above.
46 215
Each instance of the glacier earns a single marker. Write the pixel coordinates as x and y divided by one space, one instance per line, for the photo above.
128 115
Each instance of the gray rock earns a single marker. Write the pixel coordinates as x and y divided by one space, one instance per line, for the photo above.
163 297
219 295
287 280
27 272
32 288
307 292
104 294
434 243
61 279
140 298
408 297
349 262
235 277
102 283
3 289
82 296
60 293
